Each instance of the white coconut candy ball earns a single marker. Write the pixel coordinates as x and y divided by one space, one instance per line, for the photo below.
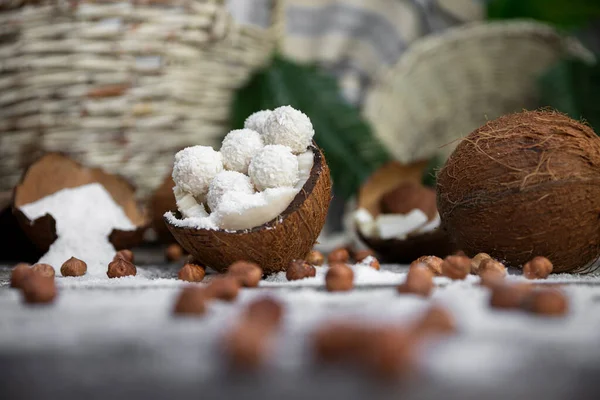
195 167
256 121
289 127
225 182
274 166
238 148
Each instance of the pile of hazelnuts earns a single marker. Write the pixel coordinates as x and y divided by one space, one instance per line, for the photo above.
340 276
37 282
504 294
386 352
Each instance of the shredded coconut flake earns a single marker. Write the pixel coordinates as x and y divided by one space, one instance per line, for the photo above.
289 127
85 216
193 222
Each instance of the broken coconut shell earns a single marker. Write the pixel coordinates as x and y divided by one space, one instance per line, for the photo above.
162 200
54 172
524 185
273 245
385 179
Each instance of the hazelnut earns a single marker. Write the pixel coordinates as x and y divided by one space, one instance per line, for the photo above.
174 252
456 267
340 255
127 255
509 296
315 258
387 353
245 346
224 288
339 278
383 351
459 253
247 273
73 267
299 269
191 273
191 301
409 196
18 275
476 261
538 268
266 312
120 268
38 289
360 255
490 278
546 302
44 270
436 321
432 262
419 280
337 341
491 266
371 262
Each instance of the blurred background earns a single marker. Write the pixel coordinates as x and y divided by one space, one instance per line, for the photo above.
123 85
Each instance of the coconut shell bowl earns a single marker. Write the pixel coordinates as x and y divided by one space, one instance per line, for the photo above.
402 251
273 245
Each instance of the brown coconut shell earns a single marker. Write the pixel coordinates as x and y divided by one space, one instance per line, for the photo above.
162 200
525 185
54 172
274 244
407 250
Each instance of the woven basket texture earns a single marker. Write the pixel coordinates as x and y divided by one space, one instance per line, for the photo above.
447 85
121 84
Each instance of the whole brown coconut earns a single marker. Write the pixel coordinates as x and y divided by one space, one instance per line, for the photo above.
275 244
524 185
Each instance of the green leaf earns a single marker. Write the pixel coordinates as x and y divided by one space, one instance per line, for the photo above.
573 87
562 13
351 149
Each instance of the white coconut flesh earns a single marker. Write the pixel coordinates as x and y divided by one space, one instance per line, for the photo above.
256 181
394 226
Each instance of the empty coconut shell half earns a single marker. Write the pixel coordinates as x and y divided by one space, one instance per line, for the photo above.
382 182
273 245
54 172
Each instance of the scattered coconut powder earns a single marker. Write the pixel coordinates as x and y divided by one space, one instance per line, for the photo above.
85 216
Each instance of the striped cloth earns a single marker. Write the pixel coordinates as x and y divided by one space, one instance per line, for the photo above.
356 39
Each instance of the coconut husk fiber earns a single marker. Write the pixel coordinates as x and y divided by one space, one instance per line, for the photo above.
54 172
385 179
274 244
525 185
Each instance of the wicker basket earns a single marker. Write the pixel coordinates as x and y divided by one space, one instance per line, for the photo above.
447 85
120 84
